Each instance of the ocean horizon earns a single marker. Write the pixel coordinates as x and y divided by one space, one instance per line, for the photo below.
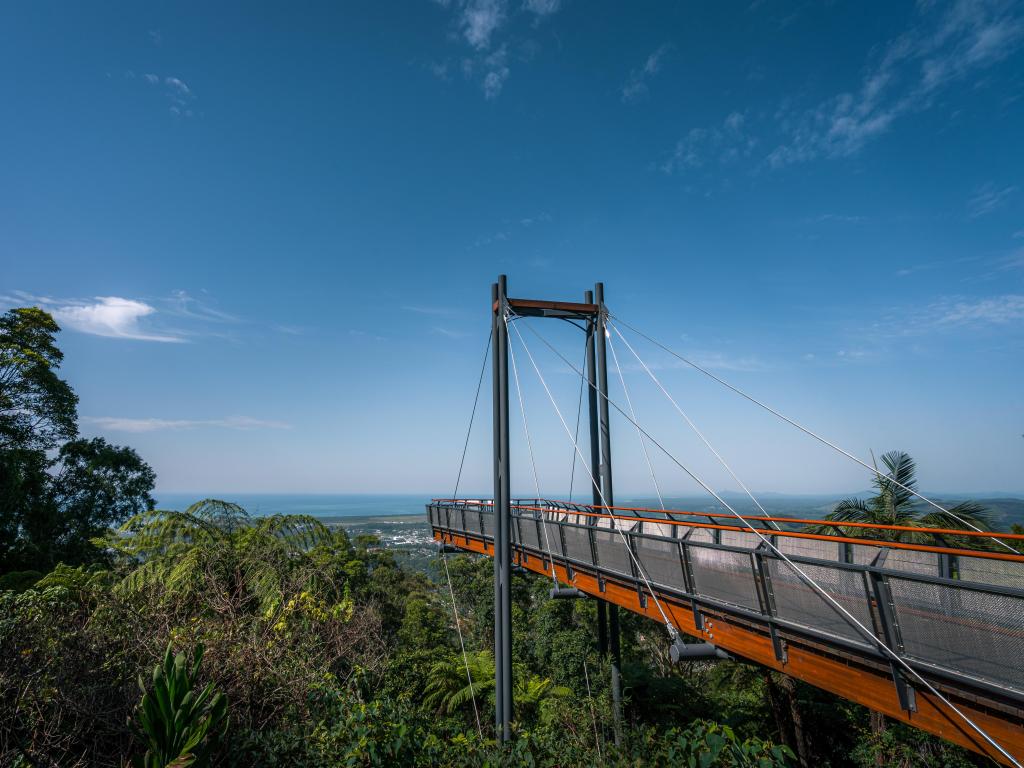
326 505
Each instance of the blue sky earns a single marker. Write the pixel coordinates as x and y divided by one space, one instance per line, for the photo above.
269 231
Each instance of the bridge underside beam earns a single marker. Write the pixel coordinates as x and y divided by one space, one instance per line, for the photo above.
865 681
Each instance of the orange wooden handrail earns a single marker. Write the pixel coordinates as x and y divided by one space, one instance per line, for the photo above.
985 554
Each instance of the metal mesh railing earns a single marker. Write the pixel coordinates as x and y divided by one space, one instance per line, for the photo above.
795 601
956 612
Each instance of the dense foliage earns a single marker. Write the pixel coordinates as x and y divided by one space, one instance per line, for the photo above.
318 650
57 491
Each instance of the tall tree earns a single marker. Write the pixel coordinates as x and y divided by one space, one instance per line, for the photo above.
37 407
56 491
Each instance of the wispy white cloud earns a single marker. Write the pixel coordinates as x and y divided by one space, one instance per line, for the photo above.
435 311
450 333
542 7
177 91
987 198
948 42
482 25
951 314
110 316
178 86
123 424
480 19
712 360
133 318
541 217
497 72
725 143
636 86
997 310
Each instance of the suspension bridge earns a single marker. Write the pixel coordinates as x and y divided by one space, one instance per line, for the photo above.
925 628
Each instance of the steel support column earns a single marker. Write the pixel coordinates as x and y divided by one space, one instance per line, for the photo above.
595 460
502 521
607 494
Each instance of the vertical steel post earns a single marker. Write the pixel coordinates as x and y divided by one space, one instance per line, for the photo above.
497 337
503 539
595 460
608 495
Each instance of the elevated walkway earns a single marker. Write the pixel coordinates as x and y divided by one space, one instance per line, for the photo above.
951 609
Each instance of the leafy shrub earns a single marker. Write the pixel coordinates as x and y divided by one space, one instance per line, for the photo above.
179 727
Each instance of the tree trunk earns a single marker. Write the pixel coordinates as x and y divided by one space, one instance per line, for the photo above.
878 727
780 716
788 686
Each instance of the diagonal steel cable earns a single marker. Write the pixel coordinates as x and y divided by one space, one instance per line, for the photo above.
533 462
693 426
672 631
850 618
444 556
873 470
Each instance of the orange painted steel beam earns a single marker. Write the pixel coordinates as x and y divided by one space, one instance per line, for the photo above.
564 306
864 681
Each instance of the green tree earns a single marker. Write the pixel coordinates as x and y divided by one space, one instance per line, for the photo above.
895 504
214 550
37 407
56 491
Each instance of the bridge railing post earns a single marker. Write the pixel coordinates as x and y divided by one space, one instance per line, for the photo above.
892 637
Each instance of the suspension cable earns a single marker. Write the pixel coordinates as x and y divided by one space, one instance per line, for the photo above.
629 402
579 412
444 556
873 470
692 425
672 631
887 651
533 463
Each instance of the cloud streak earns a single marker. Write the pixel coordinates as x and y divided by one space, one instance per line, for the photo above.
636 87
482 26
911 71
947 44
123 424
111 316
987 198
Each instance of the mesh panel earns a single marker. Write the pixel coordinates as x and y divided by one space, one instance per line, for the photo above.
701 536
577 544
660 529
611 552
726 576
984 571
554 538
473 522
797 602
974 633
455 520
823 550
740 539
909 561
660 561
862 554
528 532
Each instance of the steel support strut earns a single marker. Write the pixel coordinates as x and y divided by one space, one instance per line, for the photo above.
502 520
607 494
595 460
